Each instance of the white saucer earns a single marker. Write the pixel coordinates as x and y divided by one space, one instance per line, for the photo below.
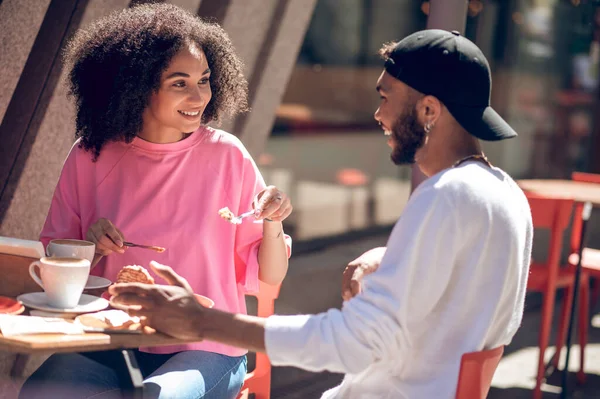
87 303
95 282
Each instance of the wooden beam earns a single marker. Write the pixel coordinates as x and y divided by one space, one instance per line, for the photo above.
26 101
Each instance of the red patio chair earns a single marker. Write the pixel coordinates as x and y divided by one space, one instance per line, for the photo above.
258 381
476 372
590 267
546 278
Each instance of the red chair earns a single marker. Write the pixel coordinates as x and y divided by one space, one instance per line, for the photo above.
590 267
476 372
591 256
546 278
258 381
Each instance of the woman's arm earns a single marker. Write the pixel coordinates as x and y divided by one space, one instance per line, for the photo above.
272 254
273 206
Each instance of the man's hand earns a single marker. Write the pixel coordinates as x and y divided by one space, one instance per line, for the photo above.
171 309
365 264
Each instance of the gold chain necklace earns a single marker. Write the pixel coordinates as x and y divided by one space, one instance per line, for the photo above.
474 157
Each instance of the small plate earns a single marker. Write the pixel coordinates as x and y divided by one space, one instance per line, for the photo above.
87 303
9 305
18 311
95 282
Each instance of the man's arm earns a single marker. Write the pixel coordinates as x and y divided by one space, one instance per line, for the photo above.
380 323
174 310
232 329
373 326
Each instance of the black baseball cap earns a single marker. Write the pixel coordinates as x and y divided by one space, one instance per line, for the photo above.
453 69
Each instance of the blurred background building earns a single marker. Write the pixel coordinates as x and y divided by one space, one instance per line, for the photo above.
327 151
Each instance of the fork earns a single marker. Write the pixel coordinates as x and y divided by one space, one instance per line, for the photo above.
238 219
151 247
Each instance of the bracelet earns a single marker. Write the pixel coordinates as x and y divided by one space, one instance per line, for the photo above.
268 220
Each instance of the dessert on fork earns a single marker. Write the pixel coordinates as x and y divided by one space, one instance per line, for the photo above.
226 214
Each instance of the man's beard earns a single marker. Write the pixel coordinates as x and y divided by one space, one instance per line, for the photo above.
408 136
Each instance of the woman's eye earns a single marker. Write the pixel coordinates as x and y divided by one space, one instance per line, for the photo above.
179 84
204 81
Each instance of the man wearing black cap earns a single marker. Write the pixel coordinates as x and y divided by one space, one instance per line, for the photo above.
452 279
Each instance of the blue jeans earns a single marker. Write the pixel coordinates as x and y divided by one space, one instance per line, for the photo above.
102 375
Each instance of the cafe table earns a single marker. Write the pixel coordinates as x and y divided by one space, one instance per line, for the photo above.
64 343
575 190
583 192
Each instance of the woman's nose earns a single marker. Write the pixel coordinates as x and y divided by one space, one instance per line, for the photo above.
197 96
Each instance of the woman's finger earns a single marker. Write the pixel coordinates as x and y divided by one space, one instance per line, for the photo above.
273 206
283 212
112 233
107 243
96 236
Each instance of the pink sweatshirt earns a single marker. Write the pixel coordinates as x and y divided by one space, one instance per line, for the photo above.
169 195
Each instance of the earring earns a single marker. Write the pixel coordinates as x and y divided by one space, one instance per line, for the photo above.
428 127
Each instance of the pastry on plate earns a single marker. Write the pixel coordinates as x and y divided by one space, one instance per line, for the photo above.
134 274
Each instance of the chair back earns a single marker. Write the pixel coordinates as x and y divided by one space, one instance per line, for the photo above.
577 214
258 381
476 372
553 214
586 177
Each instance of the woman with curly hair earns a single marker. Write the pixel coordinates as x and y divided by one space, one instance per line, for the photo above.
146 168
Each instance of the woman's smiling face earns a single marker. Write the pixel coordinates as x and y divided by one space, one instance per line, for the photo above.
184 92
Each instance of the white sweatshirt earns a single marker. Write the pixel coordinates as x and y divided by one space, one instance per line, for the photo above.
452 281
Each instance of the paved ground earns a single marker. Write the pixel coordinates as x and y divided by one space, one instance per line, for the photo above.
313 285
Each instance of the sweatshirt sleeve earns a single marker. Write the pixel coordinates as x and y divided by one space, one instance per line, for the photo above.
375 325
64 216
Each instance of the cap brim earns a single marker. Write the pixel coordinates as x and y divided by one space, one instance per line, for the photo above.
483 123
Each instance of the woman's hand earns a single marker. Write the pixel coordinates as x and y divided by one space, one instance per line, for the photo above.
272 204
106 236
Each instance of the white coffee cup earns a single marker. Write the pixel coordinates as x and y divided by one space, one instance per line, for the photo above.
62 278
71 248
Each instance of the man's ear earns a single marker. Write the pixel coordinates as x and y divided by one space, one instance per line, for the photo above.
429 110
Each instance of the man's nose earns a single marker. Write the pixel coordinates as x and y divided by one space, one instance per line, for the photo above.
377 115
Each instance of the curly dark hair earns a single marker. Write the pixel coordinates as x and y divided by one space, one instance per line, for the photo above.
116 64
